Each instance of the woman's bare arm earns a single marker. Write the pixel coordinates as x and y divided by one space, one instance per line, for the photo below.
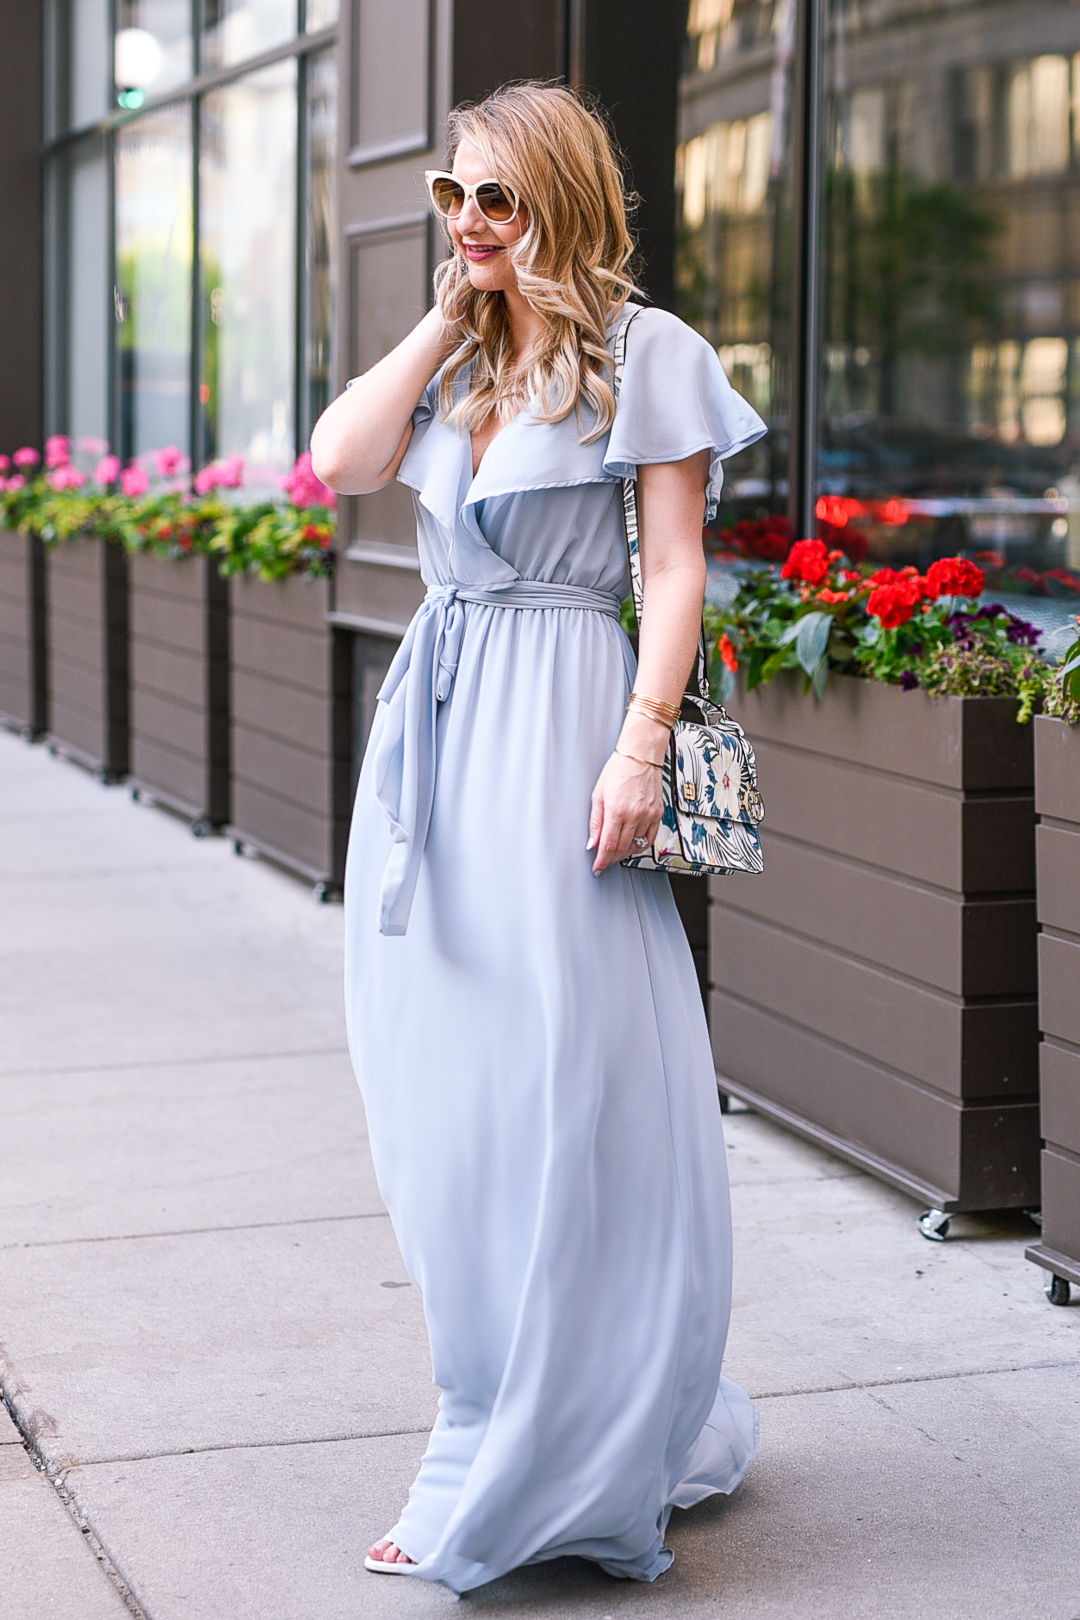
627 801
359 440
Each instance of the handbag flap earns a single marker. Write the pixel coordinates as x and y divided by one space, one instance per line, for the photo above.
712 777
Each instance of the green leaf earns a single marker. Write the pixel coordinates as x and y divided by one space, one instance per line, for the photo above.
812 641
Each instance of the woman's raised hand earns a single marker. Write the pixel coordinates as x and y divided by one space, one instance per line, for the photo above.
360 439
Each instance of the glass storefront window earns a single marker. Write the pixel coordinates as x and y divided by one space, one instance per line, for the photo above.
951 389
88 93
321 14
85 299
153 280
319 290
248 270
733 247
233 30
153 48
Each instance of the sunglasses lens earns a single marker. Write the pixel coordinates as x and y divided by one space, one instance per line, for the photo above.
448 196
494 203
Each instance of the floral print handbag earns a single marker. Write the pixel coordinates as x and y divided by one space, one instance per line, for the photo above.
712 806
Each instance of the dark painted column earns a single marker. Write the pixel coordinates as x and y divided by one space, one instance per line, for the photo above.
496 43
21 353
629 53
804 407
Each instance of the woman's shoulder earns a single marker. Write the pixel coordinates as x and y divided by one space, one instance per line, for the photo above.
649 327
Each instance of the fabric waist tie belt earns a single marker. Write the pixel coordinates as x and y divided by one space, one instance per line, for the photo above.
419 679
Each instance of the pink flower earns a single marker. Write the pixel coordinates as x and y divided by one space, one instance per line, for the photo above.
107 470
57 450
5 463
305 487
220 475
16 481
134 482
170 461
26 457
65 476
94 447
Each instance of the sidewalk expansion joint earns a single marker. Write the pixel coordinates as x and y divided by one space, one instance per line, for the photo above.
196 1231
54 1474
913 1378
171 1063
245 1445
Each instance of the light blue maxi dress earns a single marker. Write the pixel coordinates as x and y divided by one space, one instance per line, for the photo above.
529 1039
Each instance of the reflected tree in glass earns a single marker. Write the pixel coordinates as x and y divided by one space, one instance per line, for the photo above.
153 266
320 235
235 29
247 171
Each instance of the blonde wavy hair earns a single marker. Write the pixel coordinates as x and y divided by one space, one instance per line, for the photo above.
571 261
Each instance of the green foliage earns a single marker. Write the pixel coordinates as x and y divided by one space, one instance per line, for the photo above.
270 539
819 615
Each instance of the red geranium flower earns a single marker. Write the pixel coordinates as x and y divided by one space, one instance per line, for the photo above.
894 602
727 652
954 576
807 560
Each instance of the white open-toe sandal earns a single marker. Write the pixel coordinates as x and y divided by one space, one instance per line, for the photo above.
382 1566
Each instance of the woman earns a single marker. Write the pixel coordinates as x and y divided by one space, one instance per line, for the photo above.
523 1012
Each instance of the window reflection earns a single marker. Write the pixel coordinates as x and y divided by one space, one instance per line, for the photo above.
235 29
85 188
320 236
152 49
733 253
321 14
248 264
88 97
952 289
153 269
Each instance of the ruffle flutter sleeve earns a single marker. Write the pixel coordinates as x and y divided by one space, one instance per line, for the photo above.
674 400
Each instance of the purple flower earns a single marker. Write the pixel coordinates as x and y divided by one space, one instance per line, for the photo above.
1020 633
909 681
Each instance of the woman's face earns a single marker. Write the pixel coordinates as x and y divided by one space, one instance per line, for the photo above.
483 244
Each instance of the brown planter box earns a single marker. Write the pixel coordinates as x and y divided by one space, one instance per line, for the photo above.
875 988
180 685
290 702
1057 845
87 638
23 687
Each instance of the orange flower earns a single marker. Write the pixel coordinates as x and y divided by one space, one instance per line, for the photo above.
833 596
727 653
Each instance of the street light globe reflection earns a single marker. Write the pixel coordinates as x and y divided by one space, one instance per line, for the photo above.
136 59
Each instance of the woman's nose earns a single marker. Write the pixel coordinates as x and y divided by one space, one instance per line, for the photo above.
470 218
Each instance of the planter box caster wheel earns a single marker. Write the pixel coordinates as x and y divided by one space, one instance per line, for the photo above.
725 1103
933 1224
326 893
238 847
202 828
1057 1289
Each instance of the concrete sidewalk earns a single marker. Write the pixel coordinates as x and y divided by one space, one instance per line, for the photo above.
208 1341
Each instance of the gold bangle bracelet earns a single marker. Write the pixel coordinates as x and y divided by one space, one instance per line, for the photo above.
657 764
655 708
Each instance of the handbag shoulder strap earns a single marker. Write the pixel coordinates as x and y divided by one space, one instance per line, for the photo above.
629 495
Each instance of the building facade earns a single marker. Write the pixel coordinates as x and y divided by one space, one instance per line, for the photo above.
216 214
